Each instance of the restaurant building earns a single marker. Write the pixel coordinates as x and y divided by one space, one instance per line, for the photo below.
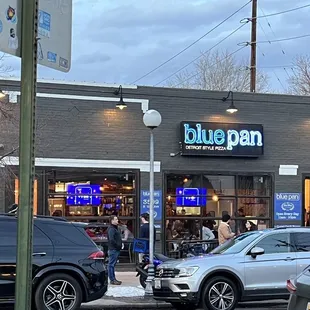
92 157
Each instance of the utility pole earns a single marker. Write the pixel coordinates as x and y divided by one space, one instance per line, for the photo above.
253 47
26 153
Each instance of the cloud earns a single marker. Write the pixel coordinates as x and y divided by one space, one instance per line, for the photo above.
91 58
120 41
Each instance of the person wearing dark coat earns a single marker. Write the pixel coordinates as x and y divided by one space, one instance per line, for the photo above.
114 248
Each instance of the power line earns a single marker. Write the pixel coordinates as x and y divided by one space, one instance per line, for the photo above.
287 73
194 75
189 46
263 30
273 70
203 54
270 67
269 25
272 41
274 14
277 77
285 39
283 12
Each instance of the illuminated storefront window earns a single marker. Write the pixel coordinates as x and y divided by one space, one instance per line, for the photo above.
35 195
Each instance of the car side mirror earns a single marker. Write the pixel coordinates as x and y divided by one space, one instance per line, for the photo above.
257 251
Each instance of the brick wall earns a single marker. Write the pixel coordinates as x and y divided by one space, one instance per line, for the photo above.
96 130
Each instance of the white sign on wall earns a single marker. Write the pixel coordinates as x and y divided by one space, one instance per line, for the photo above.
54 29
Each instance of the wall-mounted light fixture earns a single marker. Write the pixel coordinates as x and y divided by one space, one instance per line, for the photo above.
215 198
231 109
121 104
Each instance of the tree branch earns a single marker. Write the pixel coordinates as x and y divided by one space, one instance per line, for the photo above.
9 153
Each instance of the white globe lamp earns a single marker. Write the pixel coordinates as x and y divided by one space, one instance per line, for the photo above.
152 119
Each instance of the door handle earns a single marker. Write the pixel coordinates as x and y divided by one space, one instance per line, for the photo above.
289 259
39 254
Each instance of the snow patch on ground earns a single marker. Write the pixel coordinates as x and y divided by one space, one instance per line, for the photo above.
125 291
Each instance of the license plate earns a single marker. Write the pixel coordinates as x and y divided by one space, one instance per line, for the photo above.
157 284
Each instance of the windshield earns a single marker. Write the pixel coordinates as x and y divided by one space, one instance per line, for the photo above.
236 244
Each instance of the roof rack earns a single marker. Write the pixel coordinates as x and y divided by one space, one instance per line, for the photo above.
55 218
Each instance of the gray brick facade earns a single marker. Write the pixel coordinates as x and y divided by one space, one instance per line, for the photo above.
96 130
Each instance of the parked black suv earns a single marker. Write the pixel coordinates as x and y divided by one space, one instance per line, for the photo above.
68 268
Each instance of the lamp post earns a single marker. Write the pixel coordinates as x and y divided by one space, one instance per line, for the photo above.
151 119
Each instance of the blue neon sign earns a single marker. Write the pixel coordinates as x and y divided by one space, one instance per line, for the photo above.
191 197
222 139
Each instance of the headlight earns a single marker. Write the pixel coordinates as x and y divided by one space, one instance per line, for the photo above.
187 271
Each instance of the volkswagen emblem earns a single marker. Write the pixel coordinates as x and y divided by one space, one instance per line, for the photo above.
161 272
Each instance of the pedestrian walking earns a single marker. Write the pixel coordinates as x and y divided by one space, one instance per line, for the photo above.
224 230
114 248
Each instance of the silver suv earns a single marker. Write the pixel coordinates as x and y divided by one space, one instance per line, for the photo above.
251 267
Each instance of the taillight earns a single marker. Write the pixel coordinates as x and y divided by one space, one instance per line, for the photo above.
290 286
96 255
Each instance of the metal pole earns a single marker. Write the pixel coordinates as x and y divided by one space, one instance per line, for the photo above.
26 154
253 47
151 269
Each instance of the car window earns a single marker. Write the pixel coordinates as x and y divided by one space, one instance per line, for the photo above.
65 234
39 238
8 233
275 243
302 242
237 244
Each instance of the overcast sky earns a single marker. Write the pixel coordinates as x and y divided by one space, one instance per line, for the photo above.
118 41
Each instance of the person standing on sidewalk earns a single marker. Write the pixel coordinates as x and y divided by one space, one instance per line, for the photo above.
224 230
114 248
145 231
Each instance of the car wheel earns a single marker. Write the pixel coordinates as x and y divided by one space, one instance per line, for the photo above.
58 292
220 293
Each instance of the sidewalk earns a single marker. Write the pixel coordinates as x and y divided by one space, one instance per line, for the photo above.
129 295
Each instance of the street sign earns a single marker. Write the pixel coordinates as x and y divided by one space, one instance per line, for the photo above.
54 28
145 203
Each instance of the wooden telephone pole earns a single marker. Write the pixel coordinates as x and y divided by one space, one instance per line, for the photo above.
253 47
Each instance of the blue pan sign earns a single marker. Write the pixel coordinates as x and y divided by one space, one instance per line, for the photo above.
287 207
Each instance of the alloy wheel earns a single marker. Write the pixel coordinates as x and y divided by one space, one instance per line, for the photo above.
221 296
59 295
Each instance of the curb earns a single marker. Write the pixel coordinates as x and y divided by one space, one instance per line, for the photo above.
149 303
126 303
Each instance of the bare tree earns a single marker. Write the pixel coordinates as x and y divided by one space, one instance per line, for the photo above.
5 70
220 71
299 83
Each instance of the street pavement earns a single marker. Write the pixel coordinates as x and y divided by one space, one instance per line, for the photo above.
130 295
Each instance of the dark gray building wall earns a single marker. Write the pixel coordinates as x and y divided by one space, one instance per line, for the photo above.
96 130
